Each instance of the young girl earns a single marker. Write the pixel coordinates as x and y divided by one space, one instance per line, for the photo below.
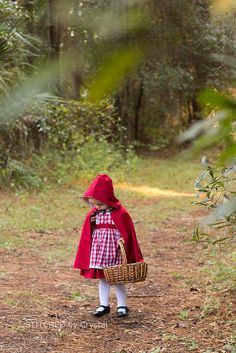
98 247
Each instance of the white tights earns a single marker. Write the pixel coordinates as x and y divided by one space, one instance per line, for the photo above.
104 293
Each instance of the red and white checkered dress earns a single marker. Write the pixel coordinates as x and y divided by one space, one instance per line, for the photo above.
105 250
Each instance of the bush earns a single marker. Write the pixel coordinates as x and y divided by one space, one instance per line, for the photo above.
216 187
63 137
53 168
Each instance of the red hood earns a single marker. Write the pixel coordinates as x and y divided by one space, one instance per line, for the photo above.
102 189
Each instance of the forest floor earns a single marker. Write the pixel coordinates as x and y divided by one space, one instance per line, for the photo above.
46 305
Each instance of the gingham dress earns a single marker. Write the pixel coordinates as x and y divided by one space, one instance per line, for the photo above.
105 249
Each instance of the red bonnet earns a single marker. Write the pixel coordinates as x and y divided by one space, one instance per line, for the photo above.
102 189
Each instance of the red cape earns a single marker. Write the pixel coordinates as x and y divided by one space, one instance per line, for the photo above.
124 224
102 190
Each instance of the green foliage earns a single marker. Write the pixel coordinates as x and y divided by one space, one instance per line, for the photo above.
217 183
181 62
17 175
219 127
98 47
64 136
105 67
17 48
91 158
69 124
216 191
113 71
216 187
53 167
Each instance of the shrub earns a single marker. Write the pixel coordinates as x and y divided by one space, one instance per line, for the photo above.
65 136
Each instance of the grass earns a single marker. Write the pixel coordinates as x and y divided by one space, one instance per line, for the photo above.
42 219
2 274
177 275
24 299
10 241
172 173
156 350
184 314
18 328
231 344
192 345
58 252
169 337
54 209
75 296
219 269
60 207
211 306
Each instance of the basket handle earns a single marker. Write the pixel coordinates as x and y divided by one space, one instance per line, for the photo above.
121 243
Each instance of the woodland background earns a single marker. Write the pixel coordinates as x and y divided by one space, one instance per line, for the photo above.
145 92
104 76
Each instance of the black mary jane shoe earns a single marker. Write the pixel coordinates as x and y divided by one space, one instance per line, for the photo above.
124 312
98 312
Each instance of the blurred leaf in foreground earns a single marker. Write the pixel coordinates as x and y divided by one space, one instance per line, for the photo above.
115 53
113 71
217 128
221 6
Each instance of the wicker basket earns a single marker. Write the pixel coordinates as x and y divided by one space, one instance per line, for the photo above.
125 273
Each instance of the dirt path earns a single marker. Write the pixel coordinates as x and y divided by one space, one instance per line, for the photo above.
46 308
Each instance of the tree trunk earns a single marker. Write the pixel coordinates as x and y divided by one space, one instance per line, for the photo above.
78 81
122 106
137 110
54 32
29 7
29 23
194 110
77 73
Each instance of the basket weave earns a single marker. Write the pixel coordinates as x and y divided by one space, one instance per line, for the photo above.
125 273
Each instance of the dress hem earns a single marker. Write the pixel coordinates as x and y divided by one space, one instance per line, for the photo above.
92 273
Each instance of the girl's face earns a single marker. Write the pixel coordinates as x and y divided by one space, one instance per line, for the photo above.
98 204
